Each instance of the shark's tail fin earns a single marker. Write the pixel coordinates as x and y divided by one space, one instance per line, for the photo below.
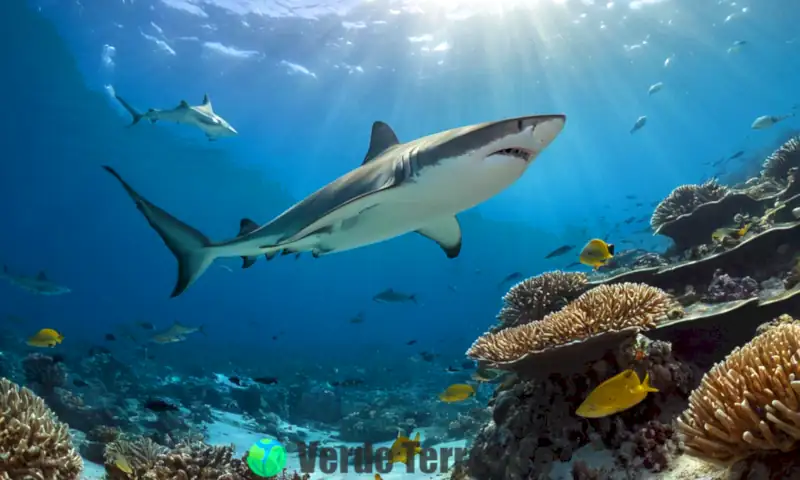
137 115
191 248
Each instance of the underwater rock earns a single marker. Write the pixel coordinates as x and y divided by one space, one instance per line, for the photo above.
649 260
724 288
43 373
318 404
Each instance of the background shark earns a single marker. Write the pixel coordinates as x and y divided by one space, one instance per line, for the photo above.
417 186
40 284
201 116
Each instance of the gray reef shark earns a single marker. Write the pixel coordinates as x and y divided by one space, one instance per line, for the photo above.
201 116
418 186
40 284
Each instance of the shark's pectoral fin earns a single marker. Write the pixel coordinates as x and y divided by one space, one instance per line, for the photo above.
183 104
447 233
382 138
269 256
248 262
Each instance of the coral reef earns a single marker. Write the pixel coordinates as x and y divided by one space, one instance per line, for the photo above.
44 373
607 308
787 156
33 444
724 288
685 199
748 403
535 297
191 460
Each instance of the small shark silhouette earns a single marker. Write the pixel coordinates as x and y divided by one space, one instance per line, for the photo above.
201 116
40 284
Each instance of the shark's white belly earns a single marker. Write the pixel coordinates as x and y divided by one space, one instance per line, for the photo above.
440 191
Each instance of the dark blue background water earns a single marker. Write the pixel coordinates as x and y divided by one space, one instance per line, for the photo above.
62 213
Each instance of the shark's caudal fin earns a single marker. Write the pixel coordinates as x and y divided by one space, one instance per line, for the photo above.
137 115
191 248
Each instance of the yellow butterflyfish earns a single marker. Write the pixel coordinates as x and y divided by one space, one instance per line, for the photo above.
596 253
615 395
457 393
46 337
121 462
402 446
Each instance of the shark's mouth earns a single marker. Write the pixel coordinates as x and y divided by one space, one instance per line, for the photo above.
521 153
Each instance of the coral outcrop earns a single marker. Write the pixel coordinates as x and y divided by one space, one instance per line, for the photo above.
605 309
749 403
33 443
531 299
786 157
685 199
724 288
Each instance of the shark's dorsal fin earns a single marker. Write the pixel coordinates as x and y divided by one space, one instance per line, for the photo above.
42 276
382 138
447 233
183 104
207 102
246 226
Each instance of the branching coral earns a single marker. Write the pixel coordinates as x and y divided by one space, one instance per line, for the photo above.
750 402
140 453
787 156
606 308
198 460
684 199
532 299
33 444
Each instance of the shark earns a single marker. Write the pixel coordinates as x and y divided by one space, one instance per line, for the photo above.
40 284
201 116
418 186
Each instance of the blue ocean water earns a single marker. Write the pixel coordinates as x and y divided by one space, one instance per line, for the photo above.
302 83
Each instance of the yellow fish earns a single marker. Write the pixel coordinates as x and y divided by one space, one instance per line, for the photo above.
596 253
401 447
122 463
457 393
720 233
615 395
378 477
46 337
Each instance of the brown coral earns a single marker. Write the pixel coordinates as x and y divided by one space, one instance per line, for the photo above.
787 156
685 199
606 308
33 443
750 402
532 299
141 454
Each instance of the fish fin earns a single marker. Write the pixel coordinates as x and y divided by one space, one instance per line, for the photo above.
611 249
207 103
381 139
153 120
286 252
269 256
193 250
135 114
447 233
42 277
646 384
248 262
246 226
183 104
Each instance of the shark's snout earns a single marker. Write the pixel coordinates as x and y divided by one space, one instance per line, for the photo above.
546 129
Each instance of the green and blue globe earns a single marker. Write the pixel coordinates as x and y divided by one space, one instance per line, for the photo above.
266 458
